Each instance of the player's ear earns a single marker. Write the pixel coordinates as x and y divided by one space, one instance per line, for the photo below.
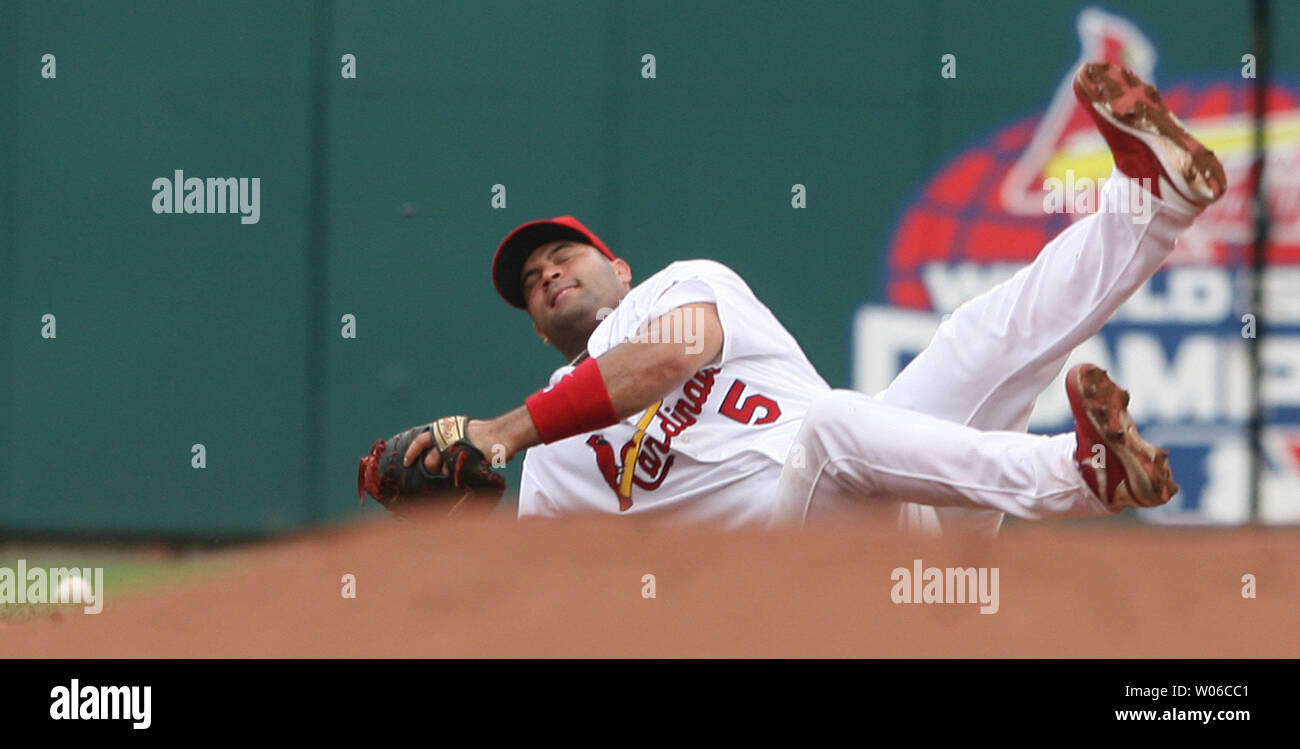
540 334
623 270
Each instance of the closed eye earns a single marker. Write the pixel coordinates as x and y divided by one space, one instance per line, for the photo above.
559 253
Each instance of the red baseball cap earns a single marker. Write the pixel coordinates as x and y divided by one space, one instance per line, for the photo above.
508 263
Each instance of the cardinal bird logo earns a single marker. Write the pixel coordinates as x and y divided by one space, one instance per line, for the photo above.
610 470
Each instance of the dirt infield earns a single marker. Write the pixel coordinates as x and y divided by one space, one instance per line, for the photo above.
490 588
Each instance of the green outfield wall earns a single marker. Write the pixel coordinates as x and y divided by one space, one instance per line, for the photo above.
376 200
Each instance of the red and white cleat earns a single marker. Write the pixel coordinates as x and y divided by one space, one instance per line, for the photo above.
1146 139
1120 467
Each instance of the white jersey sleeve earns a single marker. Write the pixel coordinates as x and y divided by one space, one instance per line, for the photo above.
749 327
712 450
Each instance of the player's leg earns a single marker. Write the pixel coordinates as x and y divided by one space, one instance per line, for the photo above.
991 358
854 453
989 361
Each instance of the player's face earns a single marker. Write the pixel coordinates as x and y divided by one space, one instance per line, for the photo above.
567 283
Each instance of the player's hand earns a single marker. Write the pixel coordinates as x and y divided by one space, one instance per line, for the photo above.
452 472
432 458
475 431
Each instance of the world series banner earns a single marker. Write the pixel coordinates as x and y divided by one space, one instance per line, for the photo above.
1180 345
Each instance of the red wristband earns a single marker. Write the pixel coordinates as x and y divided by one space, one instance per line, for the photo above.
577 404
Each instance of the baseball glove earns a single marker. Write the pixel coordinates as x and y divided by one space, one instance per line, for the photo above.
467 478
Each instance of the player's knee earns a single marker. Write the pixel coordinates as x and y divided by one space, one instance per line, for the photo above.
837 410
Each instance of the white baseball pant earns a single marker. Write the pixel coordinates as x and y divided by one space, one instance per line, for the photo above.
944 447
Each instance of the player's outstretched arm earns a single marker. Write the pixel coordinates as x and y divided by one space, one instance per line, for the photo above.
637 374
633 375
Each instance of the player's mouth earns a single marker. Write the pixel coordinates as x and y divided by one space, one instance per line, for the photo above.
561 293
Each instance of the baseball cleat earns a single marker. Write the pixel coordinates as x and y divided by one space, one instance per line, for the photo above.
1120 467
1146 139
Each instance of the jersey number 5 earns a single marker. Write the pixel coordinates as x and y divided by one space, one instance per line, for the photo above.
733 408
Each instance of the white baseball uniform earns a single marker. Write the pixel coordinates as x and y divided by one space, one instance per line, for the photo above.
710 451
714 450
928 437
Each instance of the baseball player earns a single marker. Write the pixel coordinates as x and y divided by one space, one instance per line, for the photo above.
684 397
